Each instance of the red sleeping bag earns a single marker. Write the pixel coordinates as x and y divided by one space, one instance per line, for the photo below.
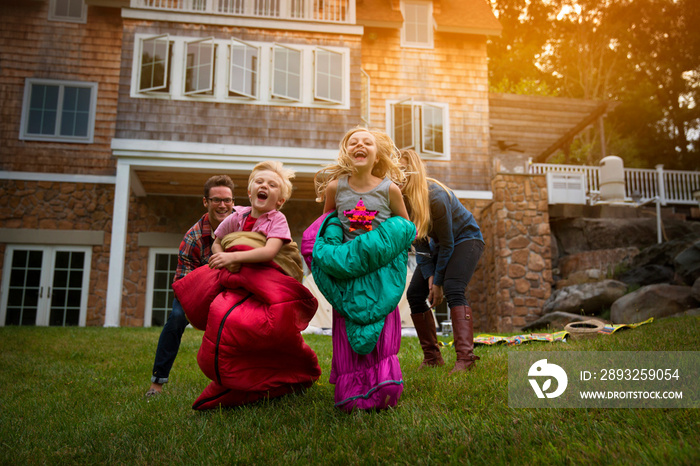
252 346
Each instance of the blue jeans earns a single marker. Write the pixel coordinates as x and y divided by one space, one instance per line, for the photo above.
169 343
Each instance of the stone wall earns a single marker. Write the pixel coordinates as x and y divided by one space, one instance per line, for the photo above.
64 206
508 290
88 206
517 258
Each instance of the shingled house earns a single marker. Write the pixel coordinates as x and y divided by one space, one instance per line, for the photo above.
116 112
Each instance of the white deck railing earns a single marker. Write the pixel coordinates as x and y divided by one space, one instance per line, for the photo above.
331 11
642 184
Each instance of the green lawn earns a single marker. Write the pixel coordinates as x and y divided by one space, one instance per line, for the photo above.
74 396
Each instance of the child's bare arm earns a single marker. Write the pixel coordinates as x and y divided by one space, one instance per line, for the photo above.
398 207
263 254
217 247
233 260
331 189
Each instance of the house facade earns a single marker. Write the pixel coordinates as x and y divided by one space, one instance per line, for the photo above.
117 111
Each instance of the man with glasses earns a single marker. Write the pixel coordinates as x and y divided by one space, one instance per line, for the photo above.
195 250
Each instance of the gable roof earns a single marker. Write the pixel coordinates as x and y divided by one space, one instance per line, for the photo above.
457 16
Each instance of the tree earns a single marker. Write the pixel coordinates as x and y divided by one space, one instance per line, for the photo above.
641 54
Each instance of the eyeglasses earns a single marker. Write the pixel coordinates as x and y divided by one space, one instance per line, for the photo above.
218 200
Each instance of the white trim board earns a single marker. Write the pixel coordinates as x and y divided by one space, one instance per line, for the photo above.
220 20
196 156
56 177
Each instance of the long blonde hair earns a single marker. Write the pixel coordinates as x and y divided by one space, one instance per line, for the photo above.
387 162
416 193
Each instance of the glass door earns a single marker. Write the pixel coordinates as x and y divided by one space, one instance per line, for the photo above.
45 285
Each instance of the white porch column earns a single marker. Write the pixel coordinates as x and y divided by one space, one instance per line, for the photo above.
117 251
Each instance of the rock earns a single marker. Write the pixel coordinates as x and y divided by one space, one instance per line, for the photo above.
690 312
586 298
557 320
576 235
603 260
687 263
579 278
664 253
656 301
647 275
695 293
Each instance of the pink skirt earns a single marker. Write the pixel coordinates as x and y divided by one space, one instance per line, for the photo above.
371 381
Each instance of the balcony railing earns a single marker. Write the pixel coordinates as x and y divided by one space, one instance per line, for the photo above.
642 184
328 11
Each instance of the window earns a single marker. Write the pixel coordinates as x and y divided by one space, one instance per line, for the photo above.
162 263
417 28
403 126
46 285
329 76
234 71
420 126
366 99
154 66
74 11
286 73
199 66
432 130
58 111
243 79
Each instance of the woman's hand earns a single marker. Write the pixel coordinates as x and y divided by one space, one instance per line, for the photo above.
435 296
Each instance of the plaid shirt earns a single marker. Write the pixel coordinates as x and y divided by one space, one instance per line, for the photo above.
195 249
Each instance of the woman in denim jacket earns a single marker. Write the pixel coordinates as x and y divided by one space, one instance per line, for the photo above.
448 246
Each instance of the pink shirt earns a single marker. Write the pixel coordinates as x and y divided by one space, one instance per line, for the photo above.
272 224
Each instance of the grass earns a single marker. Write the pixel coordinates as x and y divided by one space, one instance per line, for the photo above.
75 396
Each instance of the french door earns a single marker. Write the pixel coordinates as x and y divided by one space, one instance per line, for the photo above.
162 265
45 285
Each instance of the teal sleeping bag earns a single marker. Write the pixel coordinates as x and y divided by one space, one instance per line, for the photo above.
365 278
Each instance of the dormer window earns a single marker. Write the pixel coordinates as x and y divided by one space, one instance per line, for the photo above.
417 28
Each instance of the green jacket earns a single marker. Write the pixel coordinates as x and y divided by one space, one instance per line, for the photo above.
365 278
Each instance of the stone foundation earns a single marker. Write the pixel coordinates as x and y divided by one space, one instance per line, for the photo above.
518 275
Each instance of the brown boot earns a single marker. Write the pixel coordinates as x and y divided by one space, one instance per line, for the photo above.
463 329
427 335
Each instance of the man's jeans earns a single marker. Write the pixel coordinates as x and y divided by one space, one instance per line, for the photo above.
169 343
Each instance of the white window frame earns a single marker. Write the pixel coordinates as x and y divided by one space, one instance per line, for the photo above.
150 283
46 282
223 91
29 84
327 75
209 88
54 16
287 73
252 74
422 10
139 56
419 127
425 136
